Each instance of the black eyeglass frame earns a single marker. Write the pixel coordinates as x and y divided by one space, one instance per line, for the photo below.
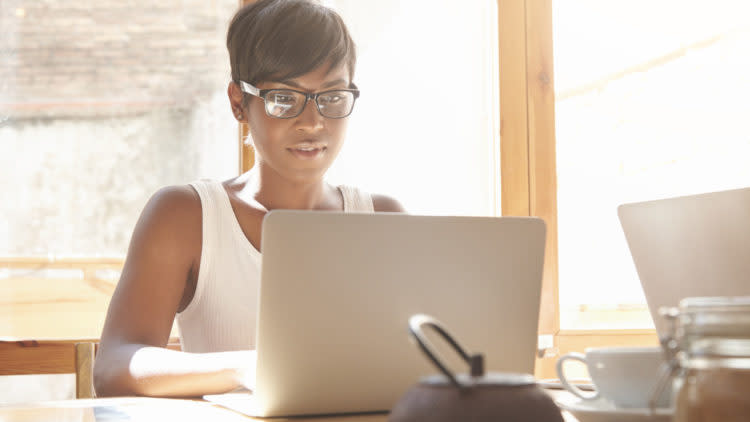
261 93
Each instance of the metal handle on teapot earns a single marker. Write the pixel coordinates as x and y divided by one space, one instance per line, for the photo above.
476 361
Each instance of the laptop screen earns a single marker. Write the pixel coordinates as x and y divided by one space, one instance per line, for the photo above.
689 246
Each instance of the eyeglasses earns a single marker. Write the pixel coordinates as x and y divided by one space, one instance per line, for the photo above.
289 103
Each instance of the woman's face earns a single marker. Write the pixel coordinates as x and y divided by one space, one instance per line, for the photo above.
300 149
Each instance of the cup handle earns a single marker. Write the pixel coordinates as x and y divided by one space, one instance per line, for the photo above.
571 387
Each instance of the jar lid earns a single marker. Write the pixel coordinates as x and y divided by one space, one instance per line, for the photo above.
723 303
715 314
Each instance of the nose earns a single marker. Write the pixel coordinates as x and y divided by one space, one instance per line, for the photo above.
310 119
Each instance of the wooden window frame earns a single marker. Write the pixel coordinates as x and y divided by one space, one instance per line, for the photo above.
528 164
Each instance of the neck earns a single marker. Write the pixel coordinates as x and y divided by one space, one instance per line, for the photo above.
276 192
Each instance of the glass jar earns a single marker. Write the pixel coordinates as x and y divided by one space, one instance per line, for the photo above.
710 354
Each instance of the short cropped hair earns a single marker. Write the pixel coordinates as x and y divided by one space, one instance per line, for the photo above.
285 39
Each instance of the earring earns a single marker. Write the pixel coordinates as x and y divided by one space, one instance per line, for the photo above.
238 114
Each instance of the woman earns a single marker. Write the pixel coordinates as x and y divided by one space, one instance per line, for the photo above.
194 251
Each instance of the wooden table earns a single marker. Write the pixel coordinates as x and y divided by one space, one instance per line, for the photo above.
143 409
137 409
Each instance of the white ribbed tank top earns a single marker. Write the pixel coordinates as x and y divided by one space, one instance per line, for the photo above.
222 314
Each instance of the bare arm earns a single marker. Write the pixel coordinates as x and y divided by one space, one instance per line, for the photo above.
138 369
164 254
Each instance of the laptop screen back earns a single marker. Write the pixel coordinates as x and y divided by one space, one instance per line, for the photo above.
689 246
337 291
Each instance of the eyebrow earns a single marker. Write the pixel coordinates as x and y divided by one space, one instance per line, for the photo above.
329 84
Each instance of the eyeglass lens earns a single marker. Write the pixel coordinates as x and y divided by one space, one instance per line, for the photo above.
286 104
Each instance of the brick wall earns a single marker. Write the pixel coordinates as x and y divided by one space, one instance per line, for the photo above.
102 103
110 56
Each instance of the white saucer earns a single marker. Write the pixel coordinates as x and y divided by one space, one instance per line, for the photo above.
604 411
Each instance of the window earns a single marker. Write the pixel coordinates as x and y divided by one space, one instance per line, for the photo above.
425 128
649 104
100 105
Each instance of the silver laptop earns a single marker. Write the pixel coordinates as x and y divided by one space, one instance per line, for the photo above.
697 245
337 291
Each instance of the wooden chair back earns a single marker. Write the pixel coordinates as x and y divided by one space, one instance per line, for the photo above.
36 357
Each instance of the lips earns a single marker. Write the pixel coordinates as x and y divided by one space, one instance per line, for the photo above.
308 150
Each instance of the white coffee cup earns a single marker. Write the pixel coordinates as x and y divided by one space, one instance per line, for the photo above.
625 376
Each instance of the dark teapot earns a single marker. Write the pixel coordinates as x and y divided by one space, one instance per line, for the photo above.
476 397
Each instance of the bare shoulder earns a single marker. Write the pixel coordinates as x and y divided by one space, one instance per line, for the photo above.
172 216
175 201
384 203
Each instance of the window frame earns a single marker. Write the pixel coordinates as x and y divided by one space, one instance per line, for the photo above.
528 166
